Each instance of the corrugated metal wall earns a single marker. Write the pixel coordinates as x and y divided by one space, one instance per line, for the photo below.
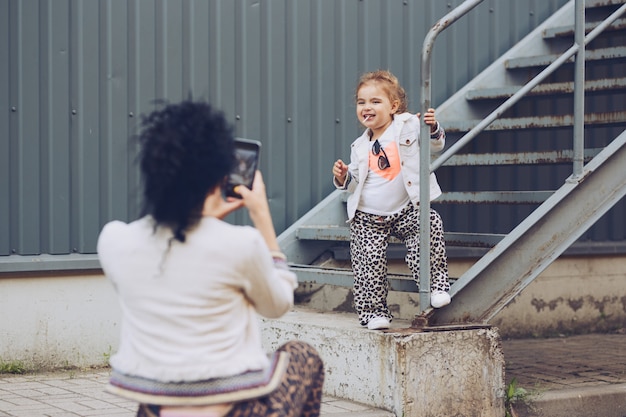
75 76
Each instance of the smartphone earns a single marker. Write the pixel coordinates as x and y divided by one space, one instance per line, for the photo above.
247 161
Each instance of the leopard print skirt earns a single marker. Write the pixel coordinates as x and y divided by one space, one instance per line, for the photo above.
298 395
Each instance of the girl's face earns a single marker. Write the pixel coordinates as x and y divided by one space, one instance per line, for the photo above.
374 108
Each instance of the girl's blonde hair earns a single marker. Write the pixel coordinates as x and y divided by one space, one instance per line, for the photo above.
389 83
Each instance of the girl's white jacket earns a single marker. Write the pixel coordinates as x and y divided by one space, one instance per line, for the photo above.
407 128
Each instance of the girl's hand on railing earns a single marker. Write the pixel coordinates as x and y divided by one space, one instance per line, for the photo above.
429 119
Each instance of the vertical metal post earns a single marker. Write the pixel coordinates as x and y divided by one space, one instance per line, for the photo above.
424 214
579 90
424 218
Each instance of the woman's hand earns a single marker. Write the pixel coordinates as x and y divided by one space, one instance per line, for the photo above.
255 200
216 206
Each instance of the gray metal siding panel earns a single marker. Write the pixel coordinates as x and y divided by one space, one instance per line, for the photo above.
5 111
296 111
55 128
80 73
87 27
114 168
269 116
24 127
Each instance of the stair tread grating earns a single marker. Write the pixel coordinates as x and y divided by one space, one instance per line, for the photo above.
606 84
545 60
540 122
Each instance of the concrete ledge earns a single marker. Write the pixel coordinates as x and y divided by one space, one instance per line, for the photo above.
451 373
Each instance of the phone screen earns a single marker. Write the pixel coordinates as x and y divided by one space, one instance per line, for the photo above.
247 161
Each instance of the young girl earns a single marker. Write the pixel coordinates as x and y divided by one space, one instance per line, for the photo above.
383 179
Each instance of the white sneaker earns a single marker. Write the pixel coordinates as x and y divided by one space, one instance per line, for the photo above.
439 299
378 323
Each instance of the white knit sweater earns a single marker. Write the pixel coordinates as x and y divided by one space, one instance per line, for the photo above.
190 312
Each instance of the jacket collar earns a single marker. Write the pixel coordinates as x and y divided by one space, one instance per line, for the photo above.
398 122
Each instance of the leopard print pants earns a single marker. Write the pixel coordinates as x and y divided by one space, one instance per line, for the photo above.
298 395
368 249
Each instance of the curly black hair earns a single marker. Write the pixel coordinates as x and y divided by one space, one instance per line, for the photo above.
186 150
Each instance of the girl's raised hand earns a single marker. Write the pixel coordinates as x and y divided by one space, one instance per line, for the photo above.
429 118
340 170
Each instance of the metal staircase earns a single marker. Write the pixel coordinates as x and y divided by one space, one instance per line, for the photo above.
491 108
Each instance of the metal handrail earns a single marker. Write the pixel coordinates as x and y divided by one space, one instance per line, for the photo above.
426 167
424 218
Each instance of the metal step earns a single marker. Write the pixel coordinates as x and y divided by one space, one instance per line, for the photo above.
541 122
342 234
545 60
602 3
568 31
312 274
454 250
563 156
494 197
593 86
309 274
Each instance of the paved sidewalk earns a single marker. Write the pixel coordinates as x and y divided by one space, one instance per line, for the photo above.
81 393
593 362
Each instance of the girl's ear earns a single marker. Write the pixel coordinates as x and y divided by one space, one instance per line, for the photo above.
395 106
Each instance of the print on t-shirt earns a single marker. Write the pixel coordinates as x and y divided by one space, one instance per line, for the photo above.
392 155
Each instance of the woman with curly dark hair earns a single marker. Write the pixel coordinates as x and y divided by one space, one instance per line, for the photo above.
191 285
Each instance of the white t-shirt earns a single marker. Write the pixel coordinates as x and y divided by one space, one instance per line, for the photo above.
190 312
383 192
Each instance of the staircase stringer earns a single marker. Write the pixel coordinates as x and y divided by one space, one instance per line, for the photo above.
330 212
490 284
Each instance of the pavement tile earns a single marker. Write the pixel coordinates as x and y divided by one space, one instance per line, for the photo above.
577 361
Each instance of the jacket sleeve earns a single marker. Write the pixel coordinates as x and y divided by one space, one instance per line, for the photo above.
269 283
437 139
352 178
345 184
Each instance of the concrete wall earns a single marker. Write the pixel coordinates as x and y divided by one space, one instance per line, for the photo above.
58 321
574 295
72 318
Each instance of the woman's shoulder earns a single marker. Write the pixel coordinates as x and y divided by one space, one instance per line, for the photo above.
117 232
111 230
210 227
217 236
116 227
112 235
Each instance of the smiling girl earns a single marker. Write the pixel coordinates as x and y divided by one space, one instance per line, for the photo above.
383 181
